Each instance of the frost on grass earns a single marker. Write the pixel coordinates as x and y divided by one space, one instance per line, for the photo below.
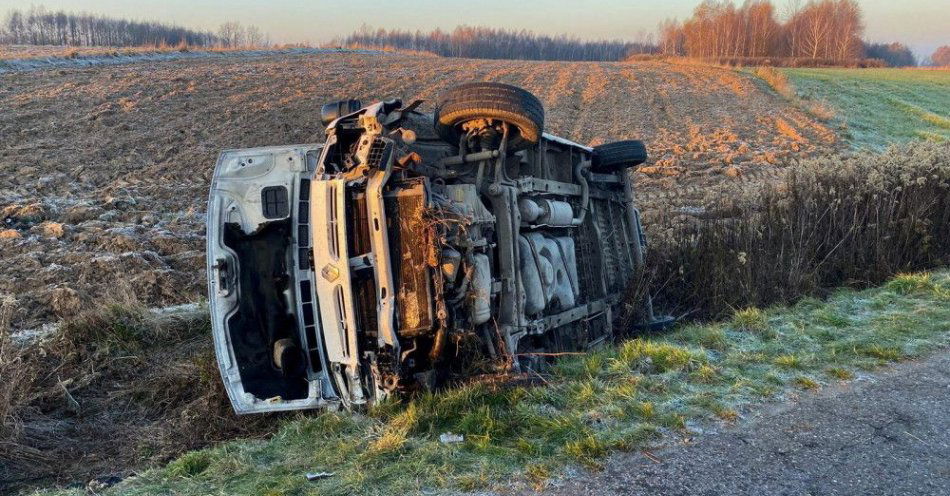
875 107
629 396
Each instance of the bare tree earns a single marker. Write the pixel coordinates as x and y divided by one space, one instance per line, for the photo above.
816 24
483 42
255 37
828 29
762 28
941 56
672 37
231 34
37 26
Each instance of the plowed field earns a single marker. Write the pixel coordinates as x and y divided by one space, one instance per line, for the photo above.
104 171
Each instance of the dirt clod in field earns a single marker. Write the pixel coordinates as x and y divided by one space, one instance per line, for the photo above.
65 302
120 157
49 230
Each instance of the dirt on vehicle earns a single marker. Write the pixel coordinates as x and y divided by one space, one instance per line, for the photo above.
104 172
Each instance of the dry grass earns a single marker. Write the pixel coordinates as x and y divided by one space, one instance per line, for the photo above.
16 380
117 379
821 109
850 220
793 62
382 48
776 80
840 373
755 61
787 130
644 57
12 52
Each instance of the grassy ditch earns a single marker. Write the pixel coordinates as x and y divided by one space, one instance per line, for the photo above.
629 396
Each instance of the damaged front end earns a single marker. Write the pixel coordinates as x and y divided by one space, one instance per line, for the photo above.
303 282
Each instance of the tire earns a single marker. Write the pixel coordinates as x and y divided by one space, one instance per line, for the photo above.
612 157
503 102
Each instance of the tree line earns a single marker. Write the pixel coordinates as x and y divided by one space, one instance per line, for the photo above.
492 43
38 26
893 54
822 32
941 56
234 34
826 30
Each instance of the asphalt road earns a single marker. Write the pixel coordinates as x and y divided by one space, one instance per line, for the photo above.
883 435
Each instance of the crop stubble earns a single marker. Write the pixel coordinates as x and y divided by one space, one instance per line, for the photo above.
104 171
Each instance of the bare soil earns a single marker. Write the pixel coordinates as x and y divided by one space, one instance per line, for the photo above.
104 171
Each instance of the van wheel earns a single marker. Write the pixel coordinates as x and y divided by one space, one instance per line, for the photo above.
493 102
612 157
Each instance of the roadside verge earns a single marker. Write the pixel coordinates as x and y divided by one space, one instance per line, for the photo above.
639 394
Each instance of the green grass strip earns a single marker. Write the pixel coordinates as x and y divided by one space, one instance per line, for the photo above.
876 107
626 397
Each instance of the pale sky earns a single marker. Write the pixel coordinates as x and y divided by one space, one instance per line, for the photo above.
921 24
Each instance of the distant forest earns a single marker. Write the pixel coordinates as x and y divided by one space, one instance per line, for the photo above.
39 26
490 43
813 32
816 32
827 30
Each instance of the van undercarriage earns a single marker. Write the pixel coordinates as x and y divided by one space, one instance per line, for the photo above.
408 243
